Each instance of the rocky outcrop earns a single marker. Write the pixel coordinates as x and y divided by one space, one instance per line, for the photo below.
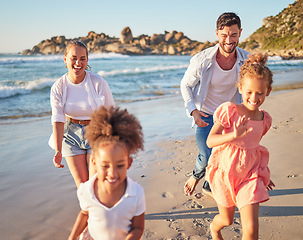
126 35
280 35
169 43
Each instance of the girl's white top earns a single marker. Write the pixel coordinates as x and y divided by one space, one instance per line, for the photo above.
111 223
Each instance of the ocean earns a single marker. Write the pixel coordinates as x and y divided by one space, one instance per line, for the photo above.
25 81
148 86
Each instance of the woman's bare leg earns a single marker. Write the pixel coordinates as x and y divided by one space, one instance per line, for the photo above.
91 167
78 168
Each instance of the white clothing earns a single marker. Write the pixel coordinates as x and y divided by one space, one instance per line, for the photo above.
111 223
77 106
196 80
97 88
222 88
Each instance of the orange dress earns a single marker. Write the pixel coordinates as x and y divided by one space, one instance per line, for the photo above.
238 171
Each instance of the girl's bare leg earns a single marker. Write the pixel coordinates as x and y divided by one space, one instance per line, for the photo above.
221 220
78 168
250 221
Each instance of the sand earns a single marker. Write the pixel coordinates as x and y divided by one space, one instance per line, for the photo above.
38 201
176 216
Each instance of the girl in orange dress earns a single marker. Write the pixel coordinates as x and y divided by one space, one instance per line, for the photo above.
238 167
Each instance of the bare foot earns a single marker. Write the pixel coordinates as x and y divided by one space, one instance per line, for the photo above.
190 185
215 235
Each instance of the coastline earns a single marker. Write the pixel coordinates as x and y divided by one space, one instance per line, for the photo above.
39 201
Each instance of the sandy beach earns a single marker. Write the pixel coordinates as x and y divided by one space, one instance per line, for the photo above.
176 216
38 201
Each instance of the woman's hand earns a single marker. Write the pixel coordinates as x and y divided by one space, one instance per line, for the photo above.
57 160
240 127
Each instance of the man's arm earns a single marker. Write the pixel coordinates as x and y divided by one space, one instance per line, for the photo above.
190 79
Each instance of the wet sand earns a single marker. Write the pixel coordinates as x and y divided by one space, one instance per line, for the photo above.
38 201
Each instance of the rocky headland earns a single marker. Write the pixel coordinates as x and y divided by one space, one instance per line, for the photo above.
280 35
168 43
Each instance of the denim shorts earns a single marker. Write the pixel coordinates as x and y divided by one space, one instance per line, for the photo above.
74 142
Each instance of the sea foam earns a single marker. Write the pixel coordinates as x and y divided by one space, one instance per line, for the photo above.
138 70
24 87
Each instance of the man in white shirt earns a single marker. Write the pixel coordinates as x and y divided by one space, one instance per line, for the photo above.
210 80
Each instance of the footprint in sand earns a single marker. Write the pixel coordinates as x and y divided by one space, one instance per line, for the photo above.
193 204
174 225
166 194
293 176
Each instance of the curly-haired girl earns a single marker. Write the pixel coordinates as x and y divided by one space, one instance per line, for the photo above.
238 168
112 205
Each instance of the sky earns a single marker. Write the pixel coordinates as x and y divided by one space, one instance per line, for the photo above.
23 24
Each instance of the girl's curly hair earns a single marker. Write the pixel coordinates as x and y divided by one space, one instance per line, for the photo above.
114 125
255 66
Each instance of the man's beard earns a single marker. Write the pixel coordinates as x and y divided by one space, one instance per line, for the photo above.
228 50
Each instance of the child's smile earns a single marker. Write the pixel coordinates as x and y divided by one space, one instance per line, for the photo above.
111 162
253 92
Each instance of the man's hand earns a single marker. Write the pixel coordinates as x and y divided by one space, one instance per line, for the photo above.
197 117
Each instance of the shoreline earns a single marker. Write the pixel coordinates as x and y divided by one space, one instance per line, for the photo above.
39 201
40 117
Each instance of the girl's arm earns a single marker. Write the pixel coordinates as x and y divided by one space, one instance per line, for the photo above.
79 226
137 228
216 138
58 128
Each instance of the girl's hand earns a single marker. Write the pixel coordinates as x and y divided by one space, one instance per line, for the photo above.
57 160
270 185
240 127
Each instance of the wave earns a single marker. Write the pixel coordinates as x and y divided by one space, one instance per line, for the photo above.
138 70
20 59
26 115
278 61
20 87
98 56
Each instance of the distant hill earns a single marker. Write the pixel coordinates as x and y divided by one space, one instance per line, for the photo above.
280 35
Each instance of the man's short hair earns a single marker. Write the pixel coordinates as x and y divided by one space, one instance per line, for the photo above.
228 19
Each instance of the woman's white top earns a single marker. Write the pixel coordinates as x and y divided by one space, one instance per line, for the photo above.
78 101
76 105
